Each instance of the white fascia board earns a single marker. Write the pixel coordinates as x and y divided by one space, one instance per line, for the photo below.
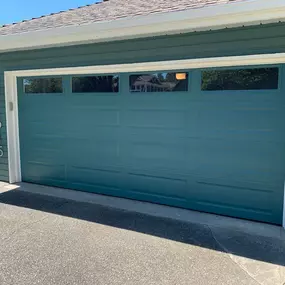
240 13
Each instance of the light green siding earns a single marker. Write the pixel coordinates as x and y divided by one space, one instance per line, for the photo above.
4 174
240 41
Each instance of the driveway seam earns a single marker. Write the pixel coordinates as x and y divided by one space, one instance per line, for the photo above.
227 251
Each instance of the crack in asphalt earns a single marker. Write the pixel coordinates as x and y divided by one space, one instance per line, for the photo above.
219 244
230 253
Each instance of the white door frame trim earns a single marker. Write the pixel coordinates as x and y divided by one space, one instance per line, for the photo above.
12 100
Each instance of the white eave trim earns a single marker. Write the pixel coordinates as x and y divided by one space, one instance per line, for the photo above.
240 13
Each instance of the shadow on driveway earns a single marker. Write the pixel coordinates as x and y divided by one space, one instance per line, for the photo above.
254 247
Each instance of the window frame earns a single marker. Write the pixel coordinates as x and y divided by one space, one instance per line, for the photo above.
42 77
252 91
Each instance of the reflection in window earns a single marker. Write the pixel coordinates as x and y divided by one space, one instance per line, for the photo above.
159 82
103 84
43 85
240 79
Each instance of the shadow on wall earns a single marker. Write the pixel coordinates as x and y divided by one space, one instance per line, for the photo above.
254 247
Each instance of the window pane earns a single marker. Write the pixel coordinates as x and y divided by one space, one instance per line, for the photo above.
240 79
99 84
159 82
43 85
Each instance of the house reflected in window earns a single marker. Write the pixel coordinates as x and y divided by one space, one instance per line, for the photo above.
159 82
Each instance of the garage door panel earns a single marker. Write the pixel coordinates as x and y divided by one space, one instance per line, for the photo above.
40 98
48 142
44 128
44 117
99 189
157 151
95 162
155 135
241 184
157 101
246 184
52 105
44 156
92 101
98 177
156 119
243 212
94 133
226 193
238 154
252 122
227 122
157 154
241 180
88 120
50 108
94 158
44 170
224 206
46 181
232 195
84 150
152 138
157 185
244 97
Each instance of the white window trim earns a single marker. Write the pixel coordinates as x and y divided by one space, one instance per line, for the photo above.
12 101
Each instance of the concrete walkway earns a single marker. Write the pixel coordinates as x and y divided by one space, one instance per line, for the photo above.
50 240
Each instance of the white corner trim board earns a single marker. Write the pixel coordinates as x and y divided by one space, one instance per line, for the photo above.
240 13
12 122
12 101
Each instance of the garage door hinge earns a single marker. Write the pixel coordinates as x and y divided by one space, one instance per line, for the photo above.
11 106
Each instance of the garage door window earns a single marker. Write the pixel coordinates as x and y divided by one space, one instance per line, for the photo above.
159 82
43 85
240 79
95 84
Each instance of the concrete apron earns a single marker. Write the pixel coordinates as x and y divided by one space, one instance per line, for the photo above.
162 211
232 235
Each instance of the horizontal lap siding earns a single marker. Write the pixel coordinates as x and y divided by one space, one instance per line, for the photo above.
217 43
227 42
4 173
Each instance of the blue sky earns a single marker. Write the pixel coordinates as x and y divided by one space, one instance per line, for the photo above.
17 10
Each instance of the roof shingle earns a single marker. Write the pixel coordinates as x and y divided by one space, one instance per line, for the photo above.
107 10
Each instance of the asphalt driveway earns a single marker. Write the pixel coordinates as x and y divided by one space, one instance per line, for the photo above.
46 240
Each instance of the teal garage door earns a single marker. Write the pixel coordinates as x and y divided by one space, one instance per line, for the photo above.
209 140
